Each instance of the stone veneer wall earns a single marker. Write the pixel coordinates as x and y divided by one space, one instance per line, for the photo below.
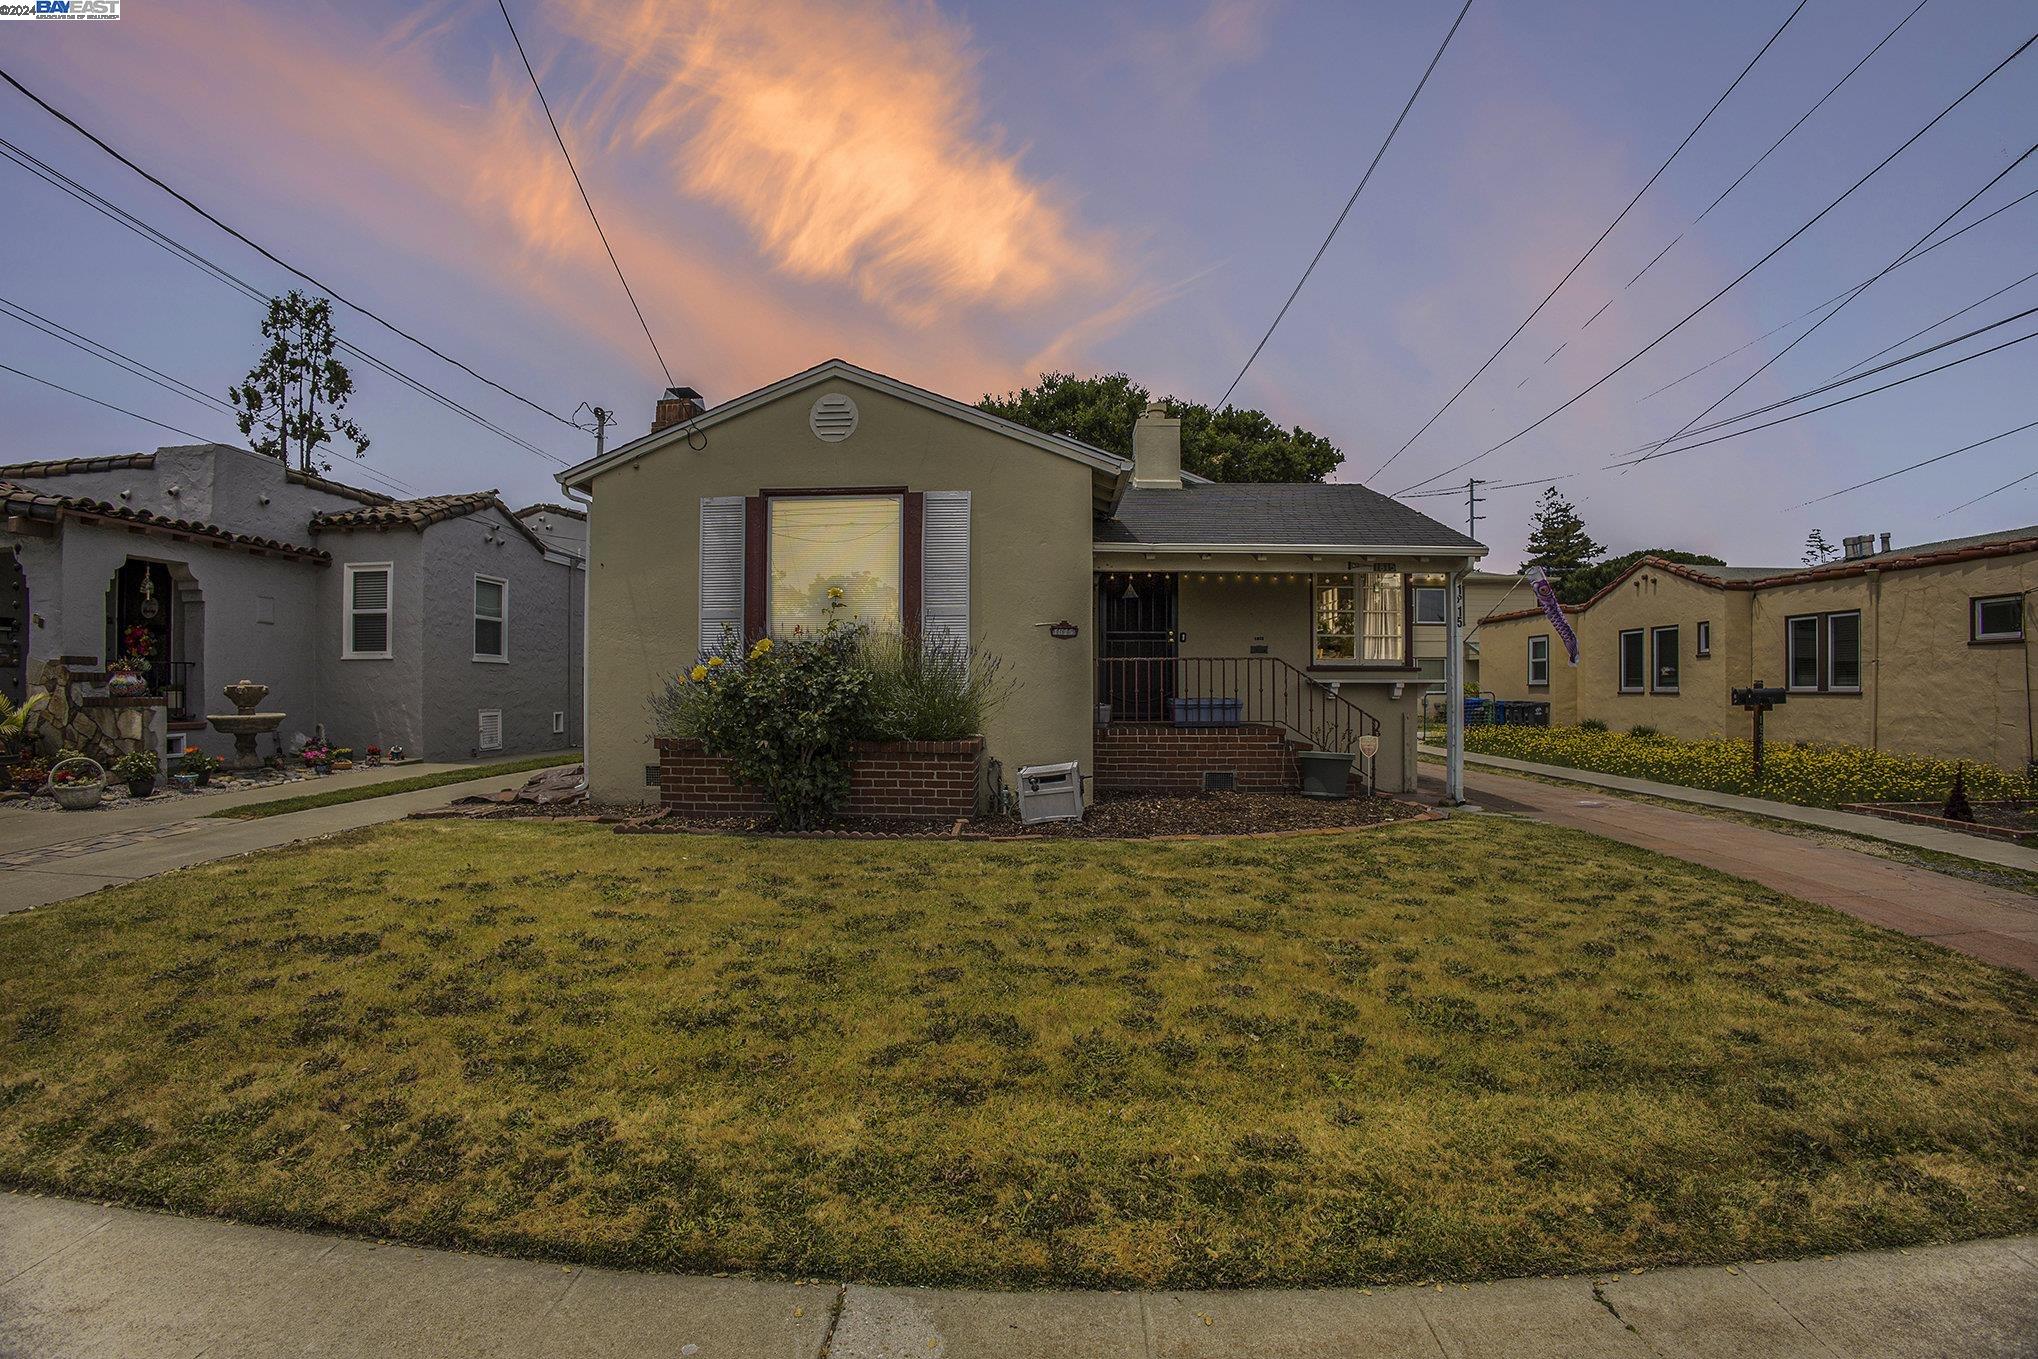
887 778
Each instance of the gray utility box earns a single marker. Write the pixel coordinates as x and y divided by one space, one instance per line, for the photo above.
1050 792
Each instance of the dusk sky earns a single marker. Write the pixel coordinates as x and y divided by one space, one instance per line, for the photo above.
962 195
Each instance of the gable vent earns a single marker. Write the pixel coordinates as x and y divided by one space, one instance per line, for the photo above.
833 419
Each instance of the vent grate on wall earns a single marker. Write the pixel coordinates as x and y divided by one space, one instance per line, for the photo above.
833 418
489 729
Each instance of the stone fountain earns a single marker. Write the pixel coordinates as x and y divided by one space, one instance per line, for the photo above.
245 724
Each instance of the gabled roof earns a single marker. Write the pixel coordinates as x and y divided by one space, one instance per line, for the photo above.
418 515
1337 516
28 503
1095 458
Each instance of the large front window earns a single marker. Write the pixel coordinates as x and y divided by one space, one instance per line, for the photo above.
851 544
1361 618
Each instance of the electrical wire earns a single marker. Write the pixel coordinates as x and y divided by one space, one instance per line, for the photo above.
1926 330
1816 218
574 170
1986 494
174 429
1619 217
1363 180
269 255
108 354
1926 462
114 212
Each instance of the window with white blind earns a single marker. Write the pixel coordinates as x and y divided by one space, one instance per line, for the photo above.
491 619
367 633
835 556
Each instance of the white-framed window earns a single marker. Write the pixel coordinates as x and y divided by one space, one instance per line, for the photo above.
1703 640
1361 618
491 618
1663 660
1539 660
1996 618
853 545
1843 651
558 722
1432 600
366 629
1634 668
1801 652
488 729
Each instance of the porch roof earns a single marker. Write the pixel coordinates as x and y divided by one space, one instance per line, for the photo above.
1309 516
24 502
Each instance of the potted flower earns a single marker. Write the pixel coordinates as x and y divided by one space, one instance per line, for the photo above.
136 769
318 757
127 677
77 783
372 757
30 774
199 765
343 757
16 723
1327 770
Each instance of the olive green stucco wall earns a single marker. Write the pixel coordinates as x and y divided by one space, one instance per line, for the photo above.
1030 530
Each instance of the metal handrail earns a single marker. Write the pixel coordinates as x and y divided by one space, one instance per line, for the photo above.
1216 691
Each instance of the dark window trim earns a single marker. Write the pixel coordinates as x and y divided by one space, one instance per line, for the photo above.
1621 661
1656 664
757 550
1533 682
1822 652
1974 637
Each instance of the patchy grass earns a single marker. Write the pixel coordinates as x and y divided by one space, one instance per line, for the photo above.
1437 1050
1812 775
361 792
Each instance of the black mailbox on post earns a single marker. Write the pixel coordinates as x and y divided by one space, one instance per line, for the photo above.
1758 700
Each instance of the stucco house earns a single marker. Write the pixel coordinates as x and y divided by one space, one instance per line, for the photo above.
448 625
1163 631
1923 650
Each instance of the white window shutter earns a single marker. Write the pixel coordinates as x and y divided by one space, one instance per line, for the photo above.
721 570
944 567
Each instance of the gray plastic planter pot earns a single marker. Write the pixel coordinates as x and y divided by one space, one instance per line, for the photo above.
1325 773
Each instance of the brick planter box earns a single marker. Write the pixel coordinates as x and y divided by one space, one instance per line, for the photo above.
886 778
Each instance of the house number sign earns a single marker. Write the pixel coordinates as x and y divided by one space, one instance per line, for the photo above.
1062 631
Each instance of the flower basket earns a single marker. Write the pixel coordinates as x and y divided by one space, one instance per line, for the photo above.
126 684
77 783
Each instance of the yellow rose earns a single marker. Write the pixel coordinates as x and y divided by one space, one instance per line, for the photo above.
763 645
714 661
700 672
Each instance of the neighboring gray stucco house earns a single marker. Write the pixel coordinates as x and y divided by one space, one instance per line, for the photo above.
447 625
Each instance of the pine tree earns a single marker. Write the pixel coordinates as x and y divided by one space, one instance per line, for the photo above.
1817 550
1558 541
294 394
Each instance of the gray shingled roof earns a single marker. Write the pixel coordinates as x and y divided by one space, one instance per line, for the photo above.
2015 535
1304 514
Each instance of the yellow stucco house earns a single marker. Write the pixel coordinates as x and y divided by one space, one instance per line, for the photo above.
1163 631
1922 650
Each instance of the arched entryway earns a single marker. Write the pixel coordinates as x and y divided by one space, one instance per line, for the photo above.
14 627
155 614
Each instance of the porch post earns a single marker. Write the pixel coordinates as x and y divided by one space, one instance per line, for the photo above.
1454 692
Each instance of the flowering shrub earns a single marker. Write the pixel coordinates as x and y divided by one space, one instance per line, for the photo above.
782 713
1814 775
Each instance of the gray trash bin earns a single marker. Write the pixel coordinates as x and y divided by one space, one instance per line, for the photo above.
1050 792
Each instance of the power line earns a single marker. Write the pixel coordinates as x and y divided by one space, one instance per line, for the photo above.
1799 415
107 404
1619 217
1840 296
1802 119
575 172
1985 495
114 212
108 354
1363 180
266 254
1861 288
1927 462
1741 277
1926 330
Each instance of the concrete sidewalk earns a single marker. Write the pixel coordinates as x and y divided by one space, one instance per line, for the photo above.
1995 924
121 846
80 1280
1981 848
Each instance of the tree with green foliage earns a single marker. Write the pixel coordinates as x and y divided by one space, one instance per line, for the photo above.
295 392
1586 582
1817 551
1558 541
1231 444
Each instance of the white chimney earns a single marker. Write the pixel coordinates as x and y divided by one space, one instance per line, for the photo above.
1859 546
1157 450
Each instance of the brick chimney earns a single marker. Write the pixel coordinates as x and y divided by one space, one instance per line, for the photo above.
676 407
1157 451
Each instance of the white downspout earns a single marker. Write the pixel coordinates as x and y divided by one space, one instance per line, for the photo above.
1454 693
586 638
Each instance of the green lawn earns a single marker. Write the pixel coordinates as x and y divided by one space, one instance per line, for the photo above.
1438 1050
360 792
